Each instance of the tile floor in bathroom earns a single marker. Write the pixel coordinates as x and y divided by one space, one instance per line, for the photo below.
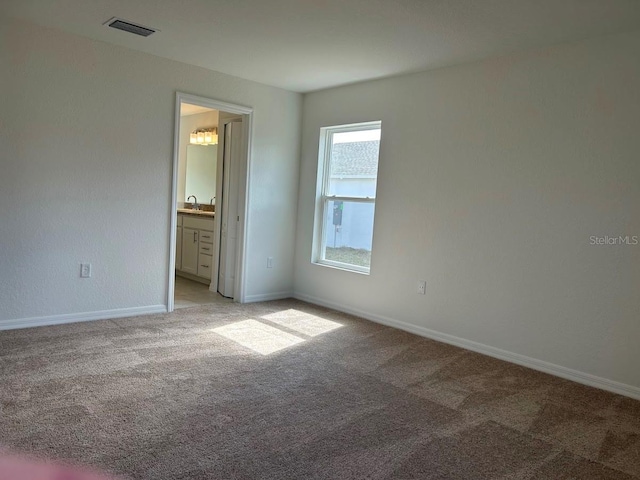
189 294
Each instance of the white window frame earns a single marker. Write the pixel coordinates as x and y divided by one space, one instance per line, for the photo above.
323 199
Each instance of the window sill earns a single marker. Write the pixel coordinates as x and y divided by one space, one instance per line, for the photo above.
342 268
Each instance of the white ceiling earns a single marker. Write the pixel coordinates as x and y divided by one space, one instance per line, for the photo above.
187 109
306 45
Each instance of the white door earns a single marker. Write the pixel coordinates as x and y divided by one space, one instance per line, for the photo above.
229 220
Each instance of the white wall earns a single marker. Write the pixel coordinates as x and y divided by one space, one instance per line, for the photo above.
188 124
492 178
86 144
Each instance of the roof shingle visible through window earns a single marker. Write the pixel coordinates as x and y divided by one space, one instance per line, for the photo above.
355 158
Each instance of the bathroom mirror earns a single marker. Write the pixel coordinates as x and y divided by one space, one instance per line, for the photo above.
201 172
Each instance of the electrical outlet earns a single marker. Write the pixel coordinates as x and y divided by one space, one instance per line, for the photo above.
422 287
85 270
269 262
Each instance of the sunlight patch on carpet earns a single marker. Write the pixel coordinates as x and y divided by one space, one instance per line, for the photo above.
302 322
257 336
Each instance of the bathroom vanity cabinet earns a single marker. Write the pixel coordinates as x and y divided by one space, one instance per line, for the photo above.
194 246
179 243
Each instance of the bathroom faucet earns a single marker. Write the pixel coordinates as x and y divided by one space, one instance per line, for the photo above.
211 201
195 202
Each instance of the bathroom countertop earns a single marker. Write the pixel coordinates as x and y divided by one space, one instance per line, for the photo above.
199 213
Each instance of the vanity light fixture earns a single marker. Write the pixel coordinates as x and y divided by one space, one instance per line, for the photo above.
204 136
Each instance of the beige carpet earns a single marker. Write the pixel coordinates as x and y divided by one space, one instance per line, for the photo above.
286 390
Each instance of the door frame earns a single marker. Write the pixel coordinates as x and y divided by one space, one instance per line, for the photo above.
243 196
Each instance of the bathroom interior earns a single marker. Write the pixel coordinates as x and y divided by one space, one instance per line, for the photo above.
205 254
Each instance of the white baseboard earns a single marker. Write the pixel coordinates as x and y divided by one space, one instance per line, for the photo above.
81 317
546 367
265 297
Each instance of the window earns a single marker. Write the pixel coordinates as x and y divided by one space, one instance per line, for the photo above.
346 195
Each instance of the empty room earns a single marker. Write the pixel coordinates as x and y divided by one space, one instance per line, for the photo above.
337 239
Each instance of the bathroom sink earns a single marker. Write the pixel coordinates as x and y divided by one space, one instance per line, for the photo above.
191 211
202 207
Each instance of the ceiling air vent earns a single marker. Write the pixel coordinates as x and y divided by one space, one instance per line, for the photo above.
130 27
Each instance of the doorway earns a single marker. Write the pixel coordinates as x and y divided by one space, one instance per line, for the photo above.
208 214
